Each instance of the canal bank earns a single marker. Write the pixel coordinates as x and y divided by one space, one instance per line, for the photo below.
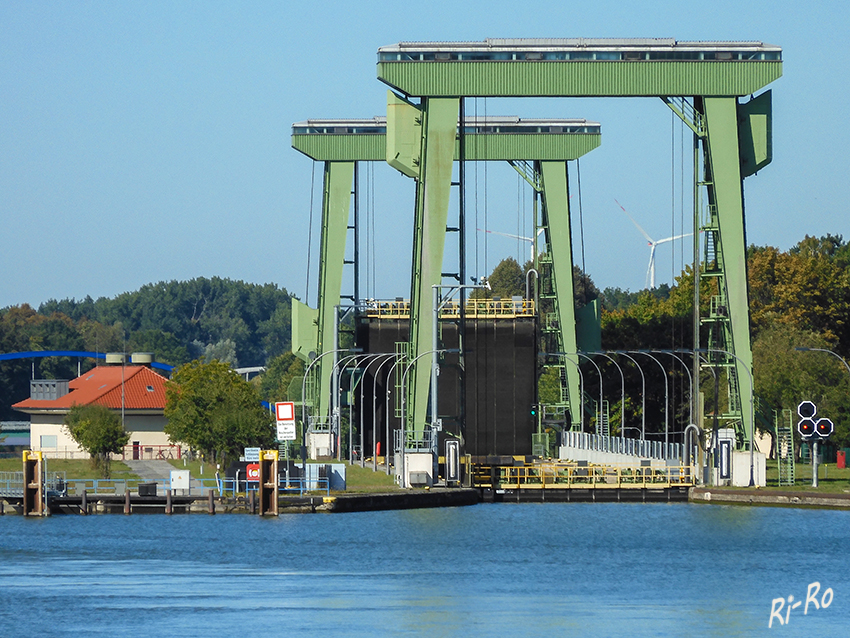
776 498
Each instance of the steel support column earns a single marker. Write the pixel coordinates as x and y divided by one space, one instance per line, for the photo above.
726 194
336 206
556 218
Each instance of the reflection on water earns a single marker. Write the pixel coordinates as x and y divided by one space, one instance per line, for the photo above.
532 569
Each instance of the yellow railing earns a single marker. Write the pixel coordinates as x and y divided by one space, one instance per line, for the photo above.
567 476
474 308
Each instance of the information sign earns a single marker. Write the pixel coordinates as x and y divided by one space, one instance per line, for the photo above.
252 454
286 431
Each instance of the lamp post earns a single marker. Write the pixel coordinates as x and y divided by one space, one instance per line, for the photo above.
622 392
752 405
642 393
834 354
392 370
304 404
371 358
403 404
599 370
666 400
390 357
690 380
338 366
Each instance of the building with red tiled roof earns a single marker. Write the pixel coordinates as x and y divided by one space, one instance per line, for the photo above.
135 391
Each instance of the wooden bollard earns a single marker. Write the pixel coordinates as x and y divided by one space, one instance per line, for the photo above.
84 504
252 503
127 508
212 501
168 501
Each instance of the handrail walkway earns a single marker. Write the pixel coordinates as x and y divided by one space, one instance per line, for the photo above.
12 485
577 476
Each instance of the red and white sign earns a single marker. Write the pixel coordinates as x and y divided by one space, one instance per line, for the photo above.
253 472
285 410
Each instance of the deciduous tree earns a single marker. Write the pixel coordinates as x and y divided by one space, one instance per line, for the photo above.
97 430
214 410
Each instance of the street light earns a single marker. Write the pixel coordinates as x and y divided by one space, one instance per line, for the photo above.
337 416
834 354
390 357
403 403
371 357
304 403
690 380
666 400
599 370
642 393
622 392
752 404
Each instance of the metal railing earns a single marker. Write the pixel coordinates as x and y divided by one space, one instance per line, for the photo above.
566 476
473 308
619 445
151 453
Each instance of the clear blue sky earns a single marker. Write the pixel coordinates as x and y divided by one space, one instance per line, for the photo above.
150 141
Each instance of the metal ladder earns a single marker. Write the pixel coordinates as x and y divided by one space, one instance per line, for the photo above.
785 447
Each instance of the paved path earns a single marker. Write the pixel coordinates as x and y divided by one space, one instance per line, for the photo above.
151 469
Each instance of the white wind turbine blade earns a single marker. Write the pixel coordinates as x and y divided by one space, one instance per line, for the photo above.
661 241
643 232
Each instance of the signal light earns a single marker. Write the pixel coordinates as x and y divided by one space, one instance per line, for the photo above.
806 428
533 410
807 409
824 428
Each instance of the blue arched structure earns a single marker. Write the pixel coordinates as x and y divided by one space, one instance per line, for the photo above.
40 354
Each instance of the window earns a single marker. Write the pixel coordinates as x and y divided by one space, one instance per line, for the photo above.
47 441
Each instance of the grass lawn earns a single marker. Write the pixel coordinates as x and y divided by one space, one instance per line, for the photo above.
363 479
830 479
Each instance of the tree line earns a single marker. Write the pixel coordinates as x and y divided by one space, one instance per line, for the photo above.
236 322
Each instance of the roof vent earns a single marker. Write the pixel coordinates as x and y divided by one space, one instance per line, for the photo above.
142 358
48 389
114 358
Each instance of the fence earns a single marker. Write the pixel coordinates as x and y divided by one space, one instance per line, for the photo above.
622 446
566 476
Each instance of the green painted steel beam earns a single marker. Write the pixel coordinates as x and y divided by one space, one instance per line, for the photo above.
336 206
341 142
727 196
579 68
487 139
439 128
558 237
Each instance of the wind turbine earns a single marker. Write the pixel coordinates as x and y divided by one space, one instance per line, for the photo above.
530 240
653 244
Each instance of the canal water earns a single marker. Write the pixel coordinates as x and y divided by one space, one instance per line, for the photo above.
486 570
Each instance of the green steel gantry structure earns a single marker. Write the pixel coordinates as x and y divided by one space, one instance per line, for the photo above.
701 81
538 149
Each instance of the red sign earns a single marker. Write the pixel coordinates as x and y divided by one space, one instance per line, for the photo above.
253 472
285 410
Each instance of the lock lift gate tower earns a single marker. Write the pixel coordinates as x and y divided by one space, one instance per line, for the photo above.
700 81
528 144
